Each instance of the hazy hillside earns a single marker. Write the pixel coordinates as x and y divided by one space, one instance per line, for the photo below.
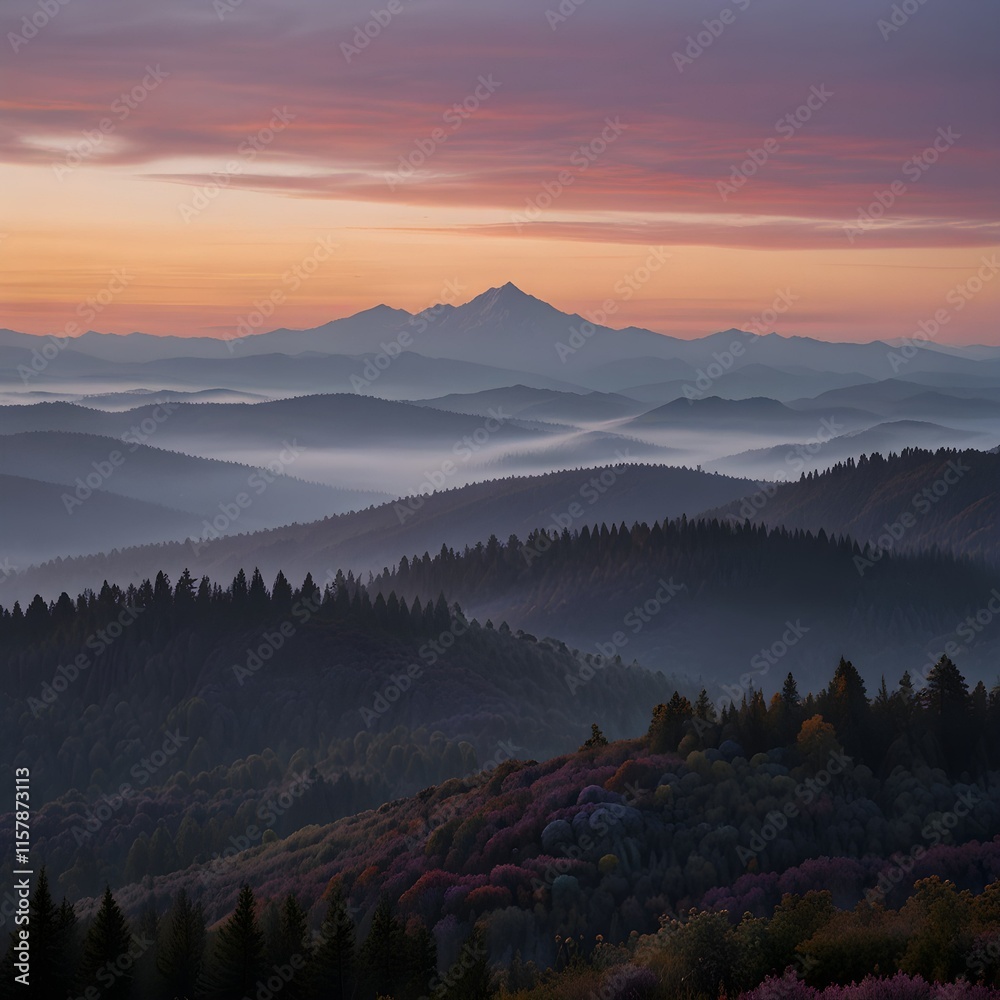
757 415
786 462
949 499
734 603
346 440
270 373
539 404
199 486
372 539
889 397
404 375
141 397
36 524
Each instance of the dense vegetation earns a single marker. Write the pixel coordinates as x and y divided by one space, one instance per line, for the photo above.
681 865
701 596
802 949
608 839
168 723
739 815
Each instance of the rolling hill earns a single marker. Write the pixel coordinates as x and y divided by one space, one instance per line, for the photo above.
374 538
699 597
185 483
40 521
945 499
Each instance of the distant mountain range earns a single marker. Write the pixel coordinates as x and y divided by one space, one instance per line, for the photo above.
505 325
74 375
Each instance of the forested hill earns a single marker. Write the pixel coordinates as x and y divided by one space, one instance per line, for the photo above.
205 703
947 498
803 814
784 811
723 600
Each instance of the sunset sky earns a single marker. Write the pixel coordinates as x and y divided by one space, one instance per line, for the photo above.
487 142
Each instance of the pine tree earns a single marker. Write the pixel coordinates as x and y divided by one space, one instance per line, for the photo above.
946 698
597 738
416 616
203 599
44 943
238 958
106 964
421 960
184 591
667 726
947 690
163 594
906 687
281 594
36 617
67 947
146 981
52 948
309 591
291 947
882 699
258 599
703 707
442 616
180 956
382 954
469 977
790 692
240 589
334 965
846 706
847 688
979 702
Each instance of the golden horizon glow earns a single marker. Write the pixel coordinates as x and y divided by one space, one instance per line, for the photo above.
362 152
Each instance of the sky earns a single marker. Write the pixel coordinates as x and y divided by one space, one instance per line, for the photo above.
176 164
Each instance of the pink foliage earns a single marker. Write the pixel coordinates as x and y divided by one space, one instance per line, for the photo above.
488 897
786 988
900 987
